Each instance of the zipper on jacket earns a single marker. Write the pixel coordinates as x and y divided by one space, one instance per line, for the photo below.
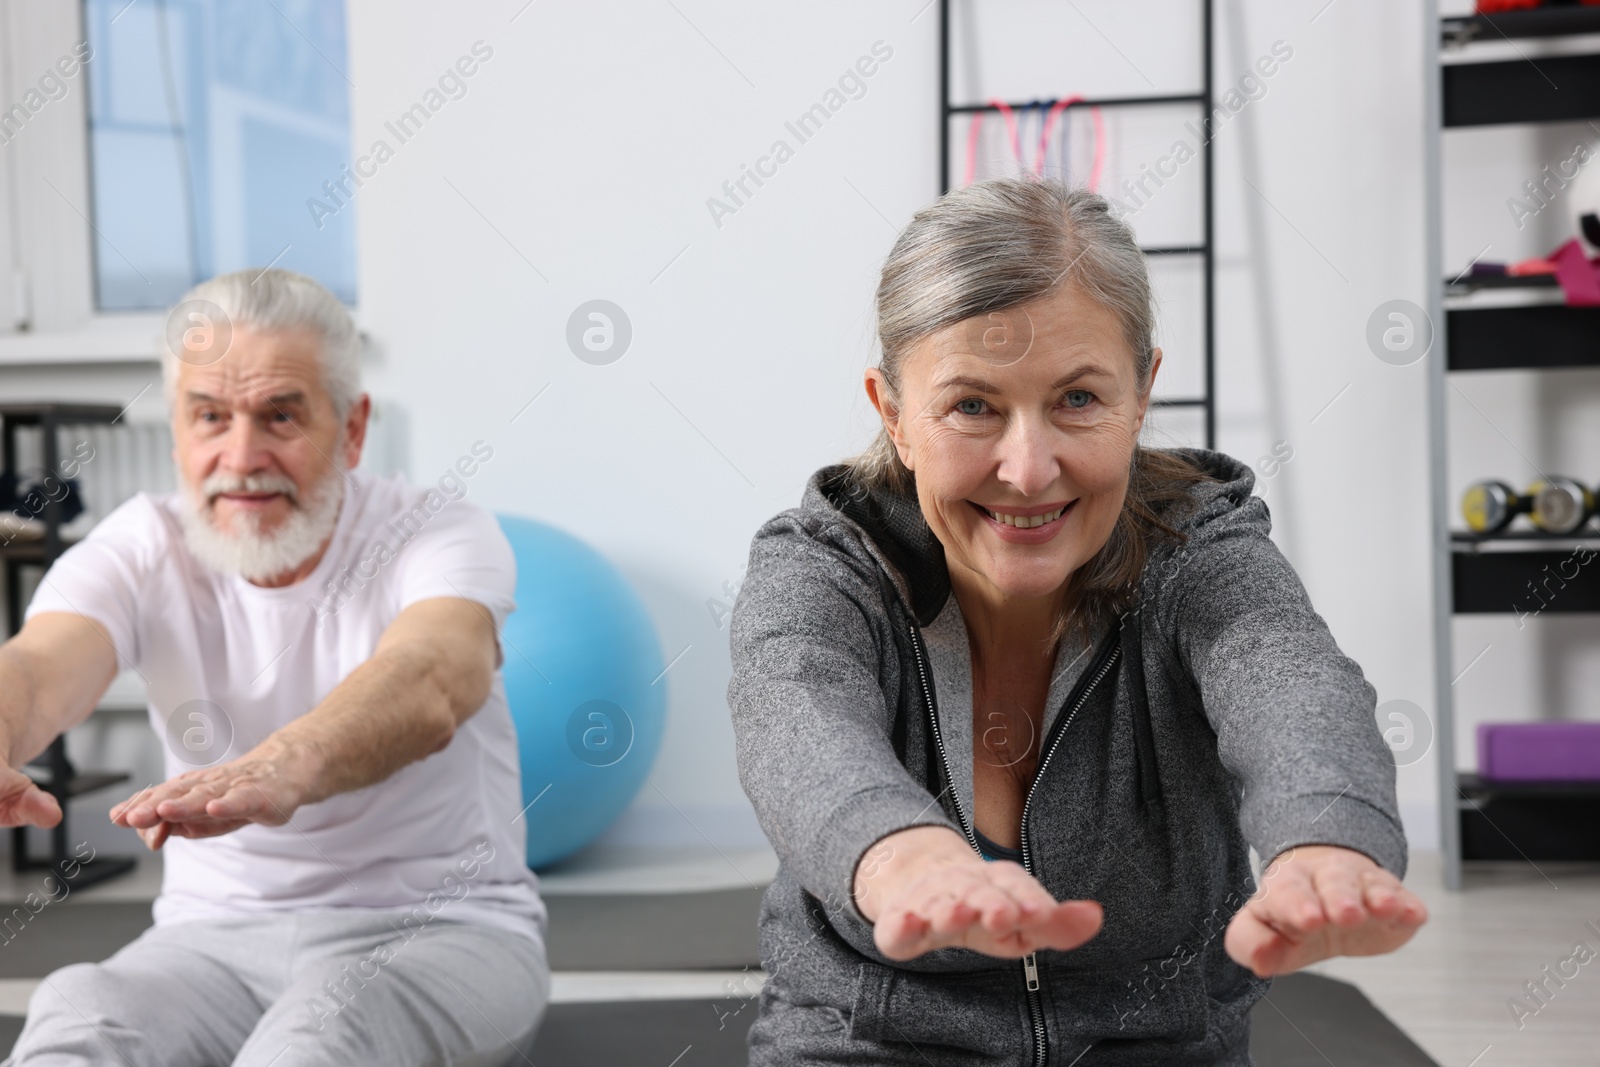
1097 671
1030 964
1030 969
938 739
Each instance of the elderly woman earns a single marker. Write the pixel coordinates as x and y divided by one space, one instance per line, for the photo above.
1014 696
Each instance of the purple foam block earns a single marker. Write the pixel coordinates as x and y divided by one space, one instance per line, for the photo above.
1539 751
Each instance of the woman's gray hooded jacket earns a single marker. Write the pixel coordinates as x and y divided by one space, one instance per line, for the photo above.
1219 715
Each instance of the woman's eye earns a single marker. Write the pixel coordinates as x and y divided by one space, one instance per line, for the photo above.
971 406
1084 393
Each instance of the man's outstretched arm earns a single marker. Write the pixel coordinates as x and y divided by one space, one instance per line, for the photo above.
52 674
430 672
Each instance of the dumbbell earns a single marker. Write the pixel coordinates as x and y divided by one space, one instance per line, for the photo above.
1490 505
1560 505
1555 505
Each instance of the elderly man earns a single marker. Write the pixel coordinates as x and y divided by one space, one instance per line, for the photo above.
345 877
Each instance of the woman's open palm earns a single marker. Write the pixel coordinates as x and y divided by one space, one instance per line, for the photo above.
1317 901
996 908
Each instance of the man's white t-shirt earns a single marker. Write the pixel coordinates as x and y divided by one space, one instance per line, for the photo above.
443 832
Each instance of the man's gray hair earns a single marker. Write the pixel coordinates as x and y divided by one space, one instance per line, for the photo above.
275 299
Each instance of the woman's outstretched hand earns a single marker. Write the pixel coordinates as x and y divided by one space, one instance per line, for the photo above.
1317 901
926 888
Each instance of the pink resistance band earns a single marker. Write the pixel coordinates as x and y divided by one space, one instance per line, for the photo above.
1044 138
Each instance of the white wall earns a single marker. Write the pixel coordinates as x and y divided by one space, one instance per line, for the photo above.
579 164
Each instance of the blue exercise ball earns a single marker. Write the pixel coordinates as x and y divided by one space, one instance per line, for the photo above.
583 677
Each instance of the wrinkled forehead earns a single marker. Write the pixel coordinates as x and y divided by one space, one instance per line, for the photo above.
1025 343
259 368
995 339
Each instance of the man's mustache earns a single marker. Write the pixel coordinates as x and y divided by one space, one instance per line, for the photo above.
218 484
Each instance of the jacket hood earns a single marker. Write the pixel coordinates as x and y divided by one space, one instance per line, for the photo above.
900 537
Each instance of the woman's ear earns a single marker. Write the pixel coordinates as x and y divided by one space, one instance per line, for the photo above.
888 410
1144 400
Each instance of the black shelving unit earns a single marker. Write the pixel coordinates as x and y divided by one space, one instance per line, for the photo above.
1533 336
53 771
1482 819
1205 249
1460 30
1497 582
1520 820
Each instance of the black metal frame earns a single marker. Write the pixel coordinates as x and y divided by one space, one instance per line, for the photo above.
64 782
1206 249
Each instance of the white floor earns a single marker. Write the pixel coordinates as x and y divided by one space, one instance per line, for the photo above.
1449 988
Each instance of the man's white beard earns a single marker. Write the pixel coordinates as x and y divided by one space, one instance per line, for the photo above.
246 550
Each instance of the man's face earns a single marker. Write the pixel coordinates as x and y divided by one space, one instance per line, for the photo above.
256 437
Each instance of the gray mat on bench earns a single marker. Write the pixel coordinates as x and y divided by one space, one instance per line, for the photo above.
654 931
635 932
33 945
1307 1020
1304 1021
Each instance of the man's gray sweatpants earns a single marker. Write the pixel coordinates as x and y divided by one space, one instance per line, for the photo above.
318 988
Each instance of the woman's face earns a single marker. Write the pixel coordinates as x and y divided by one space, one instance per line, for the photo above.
1020 427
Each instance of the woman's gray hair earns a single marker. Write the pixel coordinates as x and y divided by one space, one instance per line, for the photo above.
993 245
275 299
997 244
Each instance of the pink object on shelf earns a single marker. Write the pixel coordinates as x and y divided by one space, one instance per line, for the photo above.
1580 282
1539 751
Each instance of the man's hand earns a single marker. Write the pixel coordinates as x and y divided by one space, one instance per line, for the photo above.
52 673
1317 901
265 785
23 803
432 669
925 888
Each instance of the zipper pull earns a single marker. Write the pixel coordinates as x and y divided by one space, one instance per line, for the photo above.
1030 970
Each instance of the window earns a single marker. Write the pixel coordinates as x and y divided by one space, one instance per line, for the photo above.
212 123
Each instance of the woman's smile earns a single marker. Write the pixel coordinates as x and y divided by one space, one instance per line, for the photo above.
1026 526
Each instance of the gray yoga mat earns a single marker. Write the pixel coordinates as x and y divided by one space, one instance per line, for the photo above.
1305 1020
636 932
1308 1021
33 945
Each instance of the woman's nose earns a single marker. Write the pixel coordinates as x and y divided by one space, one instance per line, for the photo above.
1027 456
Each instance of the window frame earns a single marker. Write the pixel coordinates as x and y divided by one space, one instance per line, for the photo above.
47 284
